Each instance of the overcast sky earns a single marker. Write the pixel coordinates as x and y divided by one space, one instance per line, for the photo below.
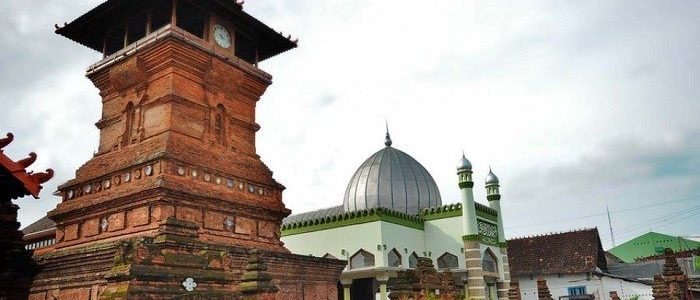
576 105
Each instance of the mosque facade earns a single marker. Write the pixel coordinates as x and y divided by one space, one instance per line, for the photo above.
392 214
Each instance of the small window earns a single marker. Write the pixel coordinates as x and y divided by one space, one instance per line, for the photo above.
577 290
362 259
413 261
394 258
489 262
447 261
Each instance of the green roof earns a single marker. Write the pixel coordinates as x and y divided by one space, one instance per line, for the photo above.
651 243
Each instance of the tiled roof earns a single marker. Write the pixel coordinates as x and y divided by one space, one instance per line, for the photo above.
316 214
559 253
40 225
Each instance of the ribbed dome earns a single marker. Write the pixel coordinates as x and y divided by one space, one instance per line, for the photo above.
393 179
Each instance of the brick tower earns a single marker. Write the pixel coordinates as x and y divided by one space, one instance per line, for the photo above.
176 195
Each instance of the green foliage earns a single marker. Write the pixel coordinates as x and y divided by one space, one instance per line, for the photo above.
636 297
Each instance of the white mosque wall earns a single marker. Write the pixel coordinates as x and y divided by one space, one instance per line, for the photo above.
444 235
404 239
350 238
599 286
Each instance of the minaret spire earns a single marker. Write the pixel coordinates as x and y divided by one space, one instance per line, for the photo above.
387 138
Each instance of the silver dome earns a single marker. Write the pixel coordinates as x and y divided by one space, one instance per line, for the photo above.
491 178
464 164
393 179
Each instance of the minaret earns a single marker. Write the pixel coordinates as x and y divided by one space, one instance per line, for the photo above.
475 284
464 173
494 197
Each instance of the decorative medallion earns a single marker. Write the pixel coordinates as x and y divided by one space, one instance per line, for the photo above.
180 171
117 180
148 170
98 186
228 223
218 180
229 183
240 185
189 284
251 189
207 177
127 177
104 224
137 174
70 194
87 189
107 184
260 191
194 173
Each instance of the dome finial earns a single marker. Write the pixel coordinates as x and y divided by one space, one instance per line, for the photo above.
464 164
491 178
387 138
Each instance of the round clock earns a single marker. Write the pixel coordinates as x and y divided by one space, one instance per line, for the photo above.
221 36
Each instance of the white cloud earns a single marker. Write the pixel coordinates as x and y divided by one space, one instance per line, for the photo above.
536 89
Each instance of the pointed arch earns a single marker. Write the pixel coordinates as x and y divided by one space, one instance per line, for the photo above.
413 260
489 262
448 261
361 259
394 258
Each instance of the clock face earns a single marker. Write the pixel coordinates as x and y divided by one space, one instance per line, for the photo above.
221 36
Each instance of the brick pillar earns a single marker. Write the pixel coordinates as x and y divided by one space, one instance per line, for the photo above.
614 296
504 285
675 280
475 277
542 290
659 290
514 291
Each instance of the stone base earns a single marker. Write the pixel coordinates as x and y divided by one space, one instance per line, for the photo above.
158 267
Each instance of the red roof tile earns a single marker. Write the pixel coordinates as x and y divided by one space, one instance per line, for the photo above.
560 253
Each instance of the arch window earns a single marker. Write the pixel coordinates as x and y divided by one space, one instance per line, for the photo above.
361 259
394 258
413 260
489 263
447 261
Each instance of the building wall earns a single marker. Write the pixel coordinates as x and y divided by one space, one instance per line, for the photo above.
404 239
599 287
444 235
360 236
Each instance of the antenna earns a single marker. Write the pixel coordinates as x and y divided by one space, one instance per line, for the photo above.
612 236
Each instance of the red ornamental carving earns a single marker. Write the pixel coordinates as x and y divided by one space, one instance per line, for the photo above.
26 183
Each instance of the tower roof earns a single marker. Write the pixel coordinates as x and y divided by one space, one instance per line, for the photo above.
393 179
90 28
491 178
464 164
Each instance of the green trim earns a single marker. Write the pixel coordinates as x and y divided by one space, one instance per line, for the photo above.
471 237
486 212
466 184
442 212
493 197
354 218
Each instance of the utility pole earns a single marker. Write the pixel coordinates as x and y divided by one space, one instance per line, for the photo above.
612 236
